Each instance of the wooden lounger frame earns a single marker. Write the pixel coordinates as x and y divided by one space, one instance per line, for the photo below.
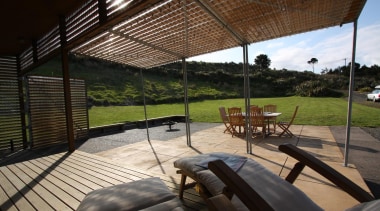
236 185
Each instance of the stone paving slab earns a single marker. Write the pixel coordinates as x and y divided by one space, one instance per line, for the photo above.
157 156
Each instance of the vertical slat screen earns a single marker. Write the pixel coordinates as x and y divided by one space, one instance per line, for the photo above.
47 110
10 114
79 107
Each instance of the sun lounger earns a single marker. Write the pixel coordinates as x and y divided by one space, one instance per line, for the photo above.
191 166
252 186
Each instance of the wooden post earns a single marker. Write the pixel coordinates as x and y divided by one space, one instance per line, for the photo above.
22 105
66 85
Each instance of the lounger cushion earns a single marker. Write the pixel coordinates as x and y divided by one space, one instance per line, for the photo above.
192 165
279 193
147 194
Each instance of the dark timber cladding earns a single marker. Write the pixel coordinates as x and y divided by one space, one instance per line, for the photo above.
11 132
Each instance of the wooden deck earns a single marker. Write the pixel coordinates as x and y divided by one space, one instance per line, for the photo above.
60 181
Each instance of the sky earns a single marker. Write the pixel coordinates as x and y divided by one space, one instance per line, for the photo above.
332 46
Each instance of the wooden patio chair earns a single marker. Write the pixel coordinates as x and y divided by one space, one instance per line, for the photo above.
272 120
225 119
284 195
236 121
257 120
286 125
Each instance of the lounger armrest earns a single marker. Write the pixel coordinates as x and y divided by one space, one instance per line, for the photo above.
235 184
323 169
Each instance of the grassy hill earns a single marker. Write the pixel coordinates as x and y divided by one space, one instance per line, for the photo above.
116 84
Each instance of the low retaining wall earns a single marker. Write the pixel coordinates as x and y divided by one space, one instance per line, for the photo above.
120 127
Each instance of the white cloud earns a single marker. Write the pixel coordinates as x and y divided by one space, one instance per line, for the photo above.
368 45
331 52
332 47
275 44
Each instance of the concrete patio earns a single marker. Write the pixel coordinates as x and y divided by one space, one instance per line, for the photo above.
157 156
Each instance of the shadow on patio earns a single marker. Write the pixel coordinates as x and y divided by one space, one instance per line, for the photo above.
109 160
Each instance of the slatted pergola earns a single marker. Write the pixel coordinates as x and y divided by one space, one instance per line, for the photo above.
150 33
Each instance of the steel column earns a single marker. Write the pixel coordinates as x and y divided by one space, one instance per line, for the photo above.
145 114
352 76
247 97
187 122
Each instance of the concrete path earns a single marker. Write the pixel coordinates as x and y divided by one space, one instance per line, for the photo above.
364 153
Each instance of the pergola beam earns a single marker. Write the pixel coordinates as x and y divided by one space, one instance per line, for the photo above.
221 21
126 36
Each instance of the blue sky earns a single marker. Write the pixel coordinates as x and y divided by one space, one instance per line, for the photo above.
332 46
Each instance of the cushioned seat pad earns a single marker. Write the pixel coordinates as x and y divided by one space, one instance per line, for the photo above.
191 164
142 194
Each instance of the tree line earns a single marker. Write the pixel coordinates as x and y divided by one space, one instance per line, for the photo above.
117 84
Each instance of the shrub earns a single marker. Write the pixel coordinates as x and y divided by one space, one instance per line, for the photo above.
365 89
315 89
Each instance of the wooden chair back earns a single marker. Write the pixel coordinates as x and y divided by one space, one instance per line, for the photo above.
257 117
235 115
294 116
286 125
225 119
270 108
257 120
223 115
236 120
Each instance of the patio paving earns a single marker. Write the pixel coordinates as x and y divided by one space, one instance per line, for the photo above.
158 154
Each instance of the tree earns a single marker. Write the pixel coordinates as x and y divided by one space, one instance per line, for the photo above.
312 62
262 61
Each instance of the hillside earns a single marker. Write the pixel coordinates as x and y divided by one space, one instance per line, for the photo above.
115 84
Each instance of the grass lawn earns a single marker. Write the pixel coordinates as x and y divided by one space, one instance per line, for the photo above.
312 111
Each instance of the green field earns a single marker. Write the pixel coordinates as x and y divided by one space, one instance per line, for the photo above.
312 111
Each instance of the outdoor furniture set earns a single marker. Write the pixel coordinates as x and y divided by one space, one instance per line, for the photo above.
260 118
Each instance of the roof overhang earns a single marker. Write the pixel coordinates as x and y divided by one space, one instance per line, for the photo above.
175 29
152 32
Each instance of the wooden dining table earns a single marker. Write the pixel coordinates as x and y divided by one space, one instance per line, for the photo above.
268 116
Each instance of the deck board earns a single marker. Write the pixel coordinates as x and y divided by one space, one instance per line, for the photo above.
14 197
68 174
60 181
82 172
56 187
39 192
